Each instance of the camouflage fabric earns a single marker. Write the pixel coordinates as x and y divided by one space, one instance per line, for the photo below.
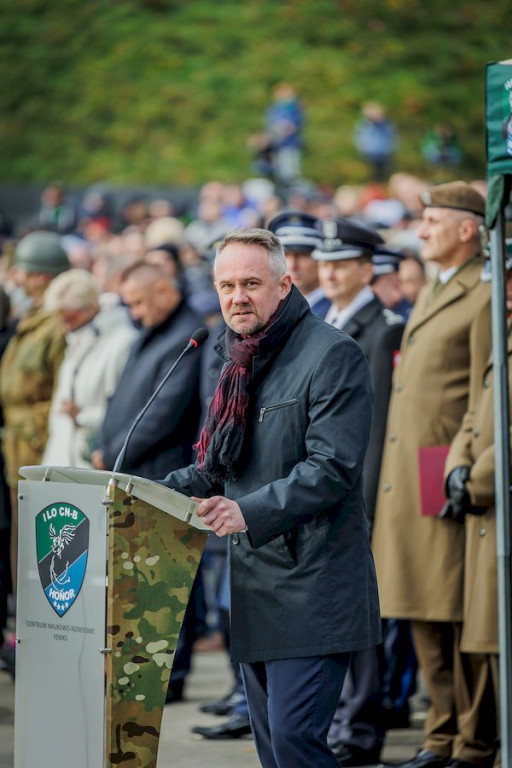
28 374
153 559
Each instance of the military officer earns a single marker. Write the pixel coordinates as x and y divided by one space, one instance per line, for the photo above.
345 271
299 235
472 456
420 558
30 365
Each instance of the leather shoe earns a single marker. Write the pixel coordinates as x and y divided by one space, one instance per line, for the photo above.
234 728
349 755
424 759
223 706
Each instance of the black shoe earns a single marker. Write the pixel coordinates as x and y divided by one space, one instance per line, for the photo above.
234 728
424 759
349 755
223 706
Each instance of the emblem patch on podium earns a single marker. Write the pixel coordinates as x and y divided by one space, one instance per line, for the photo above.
62 545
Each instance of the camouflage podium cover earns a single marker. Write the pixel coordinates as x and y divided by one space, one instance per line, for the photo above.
93 663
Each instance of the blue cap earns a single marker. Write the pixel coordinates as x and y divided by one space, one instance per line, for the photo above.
386 260
345 239
296 230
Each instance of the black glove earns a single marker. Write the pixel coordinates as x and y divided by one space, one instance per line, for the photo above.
459 502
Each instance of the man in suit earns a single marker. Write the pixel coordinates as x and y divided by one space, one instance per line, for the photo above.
420 558
345 272
299 236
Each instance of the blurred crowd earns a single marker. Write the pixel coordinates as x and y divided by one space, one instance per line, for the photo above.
96 303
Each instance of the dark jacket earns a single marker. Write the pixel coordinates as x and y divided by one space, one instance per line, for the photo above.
302 577
378 331
162 441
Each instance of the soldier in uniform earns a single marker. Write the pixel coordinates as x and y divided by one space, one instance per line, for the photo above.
30 365
470 487
299 236
420 558
345 268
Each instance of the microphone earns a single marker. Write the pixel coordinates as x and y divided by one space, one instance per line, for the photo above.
195 341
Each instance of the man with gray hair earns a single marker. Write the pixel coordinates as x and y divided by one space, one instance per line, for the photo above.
279 471
97 345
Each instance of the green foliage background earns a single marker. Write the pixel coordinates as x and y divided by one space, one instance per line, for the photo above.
168 91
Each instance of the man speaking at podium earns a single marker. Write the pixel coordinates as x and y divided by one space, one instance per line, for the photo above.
279 471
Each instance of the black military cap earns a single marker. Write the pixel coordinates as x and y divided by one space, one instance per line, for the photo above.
296 230
386 260
344 239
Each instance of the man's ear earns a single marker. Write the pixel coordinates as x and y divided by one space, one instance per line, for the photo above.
285 284
468 230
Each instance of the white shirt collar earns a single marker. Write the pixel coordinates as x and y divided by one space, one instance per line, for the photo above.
314 296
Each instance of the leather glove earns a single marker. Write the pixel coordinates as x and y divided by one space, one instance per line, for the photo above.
459 502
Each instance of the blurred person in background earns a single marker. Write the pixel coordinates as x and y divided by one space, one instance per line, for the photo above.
58 211
284 126
412 277
97 345
375 137
299 235
345 269
30 365
386 283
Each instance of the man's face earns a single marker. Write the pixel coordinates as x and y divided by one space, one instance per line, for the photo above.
440 233
412 279
149 305
343 280
248 292
303 270
389 289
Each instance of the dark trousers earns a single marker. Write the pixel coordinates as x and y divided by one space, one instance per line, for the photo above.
291 705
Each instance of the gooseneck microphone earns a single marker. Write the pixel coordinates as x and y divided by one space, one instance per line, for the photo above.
195 341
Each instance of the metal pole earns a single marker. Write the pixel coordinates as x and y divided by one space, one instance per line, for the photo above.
502 481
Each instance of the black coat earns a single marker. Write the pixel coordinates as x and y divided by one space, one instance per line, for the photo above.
302 577
378 331
163 439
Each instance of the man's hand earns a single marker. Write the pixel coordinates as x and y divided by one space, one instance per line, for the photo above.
71 408
221 515
459 502
97 459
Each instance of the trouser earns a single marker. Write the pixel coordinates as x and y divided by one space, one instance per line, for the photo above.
291 706
359 720
462 721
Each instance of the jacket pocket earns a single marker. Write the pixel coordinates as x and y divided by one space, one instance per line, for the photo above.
269 408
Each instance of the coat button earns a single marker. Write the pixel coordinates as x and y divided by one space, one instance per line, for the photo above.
476 433
482 531
398 387
386 487
235 538
411 340
487 384
392 438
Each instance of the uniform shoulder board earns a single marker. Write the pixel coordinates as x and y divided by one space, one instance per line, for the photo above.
391 317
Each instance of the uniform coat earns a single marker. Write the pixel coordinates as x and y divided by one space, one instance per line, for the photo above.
378 331
445 348
474 447
163 438
302 577
28 377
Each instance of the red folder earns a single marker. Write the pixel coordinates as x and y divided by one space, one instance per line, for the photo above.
432 459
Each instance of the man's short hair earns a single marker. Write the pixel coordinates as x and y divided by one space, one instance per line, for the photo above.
71 290
146 273
264 238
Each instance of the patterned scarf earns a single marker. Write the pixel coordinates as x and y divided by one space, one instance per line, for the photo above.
221 440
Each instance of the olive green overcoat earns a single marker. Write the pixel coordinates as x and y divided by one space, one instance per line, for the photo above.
445 347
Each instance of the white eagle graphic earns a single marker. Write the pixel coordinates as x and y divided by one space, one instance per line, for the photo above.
59 542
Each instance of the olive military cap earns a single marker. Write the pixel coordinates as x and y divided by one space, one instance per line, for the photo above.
458 195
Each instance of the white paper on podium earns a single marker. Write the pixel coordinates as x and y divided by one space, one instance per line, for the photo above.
158 495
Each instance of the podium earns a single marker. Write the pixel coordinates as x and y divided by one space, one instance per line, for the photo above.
106 562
